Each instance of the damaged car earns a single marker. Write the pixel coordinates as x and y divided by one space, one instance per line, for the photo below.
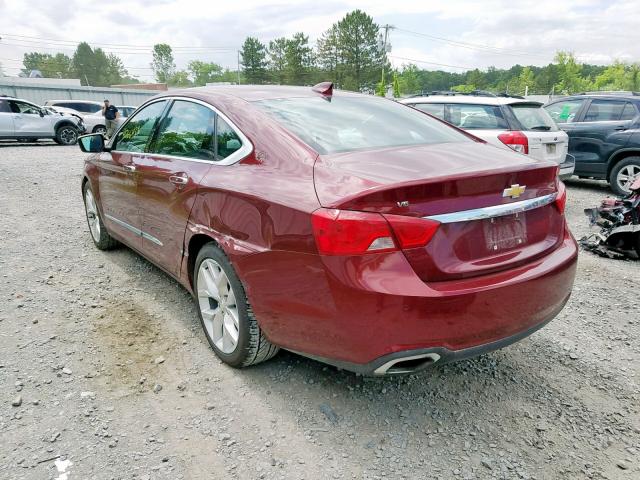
619 220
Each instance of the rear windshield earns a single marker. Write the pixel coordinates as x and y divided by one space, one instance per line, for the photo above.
353 123
477 117
533 117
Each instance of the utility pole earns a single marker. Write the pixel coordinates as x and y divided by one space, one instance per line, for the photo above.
238 67
385 47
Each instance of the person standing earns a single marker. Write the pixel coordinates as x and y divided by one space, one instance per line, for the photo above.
110 114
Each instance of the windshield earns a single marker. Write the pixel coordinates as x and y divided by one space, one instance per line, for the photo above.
533 117
349 123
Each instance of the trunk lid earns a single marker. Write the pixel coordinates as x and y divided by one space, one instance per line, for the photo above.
432 180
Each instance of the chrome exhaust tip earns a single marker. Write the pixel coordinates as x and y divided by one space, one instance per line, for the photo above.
407 364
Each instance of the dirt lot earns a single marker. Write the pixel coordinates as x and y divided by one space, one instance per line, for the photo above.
111 378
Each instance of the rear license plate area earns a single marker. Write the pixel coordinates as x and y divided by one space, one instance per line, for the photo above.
551 148
505 233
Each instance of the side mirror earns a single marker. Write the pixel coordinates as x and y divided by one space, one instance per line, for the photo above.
92 143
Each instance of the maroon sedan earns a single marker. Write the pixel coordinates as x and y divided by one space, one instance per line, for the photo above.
344 227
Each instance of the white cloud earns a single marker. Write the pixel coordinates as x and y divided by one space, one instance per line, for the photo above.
524 31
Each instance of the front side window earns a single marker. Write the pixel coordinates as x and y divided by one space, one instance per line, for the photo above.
604 111
186 131
629 112
227 140
348 123
435 109
136 133
564 111
22 107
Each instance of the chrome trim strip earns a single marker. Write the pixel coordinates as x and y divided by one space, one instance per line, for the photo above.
494 211
245 149
135 230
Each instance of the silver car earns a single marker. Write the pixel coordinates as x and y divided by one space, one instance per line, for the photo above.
26 121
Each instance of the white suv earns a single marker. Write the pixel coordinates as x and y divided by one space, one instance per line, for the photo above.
91 112
508 122
25 121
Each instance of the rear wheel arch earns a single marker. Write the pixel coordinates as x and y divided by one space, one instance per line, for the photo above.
196 243
620 156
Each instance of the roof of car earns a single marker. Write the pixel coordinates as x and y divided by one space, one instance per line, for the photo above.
607 96
252 93
468 99
67 100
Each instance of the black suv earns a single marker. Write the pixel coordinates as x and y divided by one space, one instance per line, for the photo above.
604 135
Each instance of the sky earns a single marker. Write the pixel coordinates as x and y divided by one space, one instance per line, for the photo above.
453 35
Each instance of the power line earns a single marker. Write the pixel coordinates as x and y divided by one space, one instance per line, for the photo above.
430 63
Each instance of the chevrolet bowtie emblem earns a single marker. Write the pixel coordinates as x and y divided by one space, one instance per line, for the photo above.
514 191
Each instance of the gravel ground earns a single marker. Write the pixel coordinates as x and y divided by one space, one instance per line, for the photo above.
105 374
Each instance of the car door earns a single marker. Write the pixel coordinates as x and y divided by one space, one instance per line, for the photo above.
118 179
601 129
28 120
180 155
6 120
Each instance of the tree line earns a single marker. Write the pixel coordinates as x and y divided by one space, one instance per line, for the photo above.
350 54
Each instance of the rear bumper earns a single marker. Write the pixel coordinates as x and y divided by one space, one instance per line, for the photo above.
359 313
424 358
567 167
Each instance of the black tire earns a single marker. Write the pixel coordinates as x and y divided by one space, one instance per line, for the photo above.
252 347
66 135
102 240
100 129
627 163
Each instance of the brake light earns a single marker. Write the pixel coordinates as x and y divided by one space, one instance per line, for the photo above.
412 232
516 140
561 197
344 232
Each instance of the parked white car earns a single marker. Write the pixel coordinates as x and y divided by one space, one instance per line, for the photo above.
26 121
507 122
91 112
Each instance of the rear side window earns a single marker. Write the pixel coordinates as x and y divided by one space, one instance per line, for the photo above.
629 112
435 109
564 111
135 134
227 139
604 111
348 123
470 117
4 107
186 131
533 117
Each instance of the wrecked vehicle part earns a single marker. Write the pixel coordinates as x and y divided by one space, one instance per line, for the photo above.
619 220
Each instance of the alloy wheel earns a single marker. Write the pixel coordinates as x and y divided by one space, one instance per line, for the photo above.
92 215
68 136
217 302
627 175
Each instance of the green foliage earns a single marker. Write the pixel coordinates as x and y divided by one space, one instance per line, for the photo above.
396 86
204 72
619 76
254 61
163 65
381 89
92 67
180 79
570 74
51 66
350 54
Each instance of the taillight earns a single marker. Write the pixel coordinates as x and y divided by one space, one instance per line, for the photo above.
561 197
516 140
412 232
345 232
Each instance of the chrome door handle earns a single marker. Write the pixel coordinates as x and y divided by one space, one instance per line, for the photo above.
179 179
129 168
